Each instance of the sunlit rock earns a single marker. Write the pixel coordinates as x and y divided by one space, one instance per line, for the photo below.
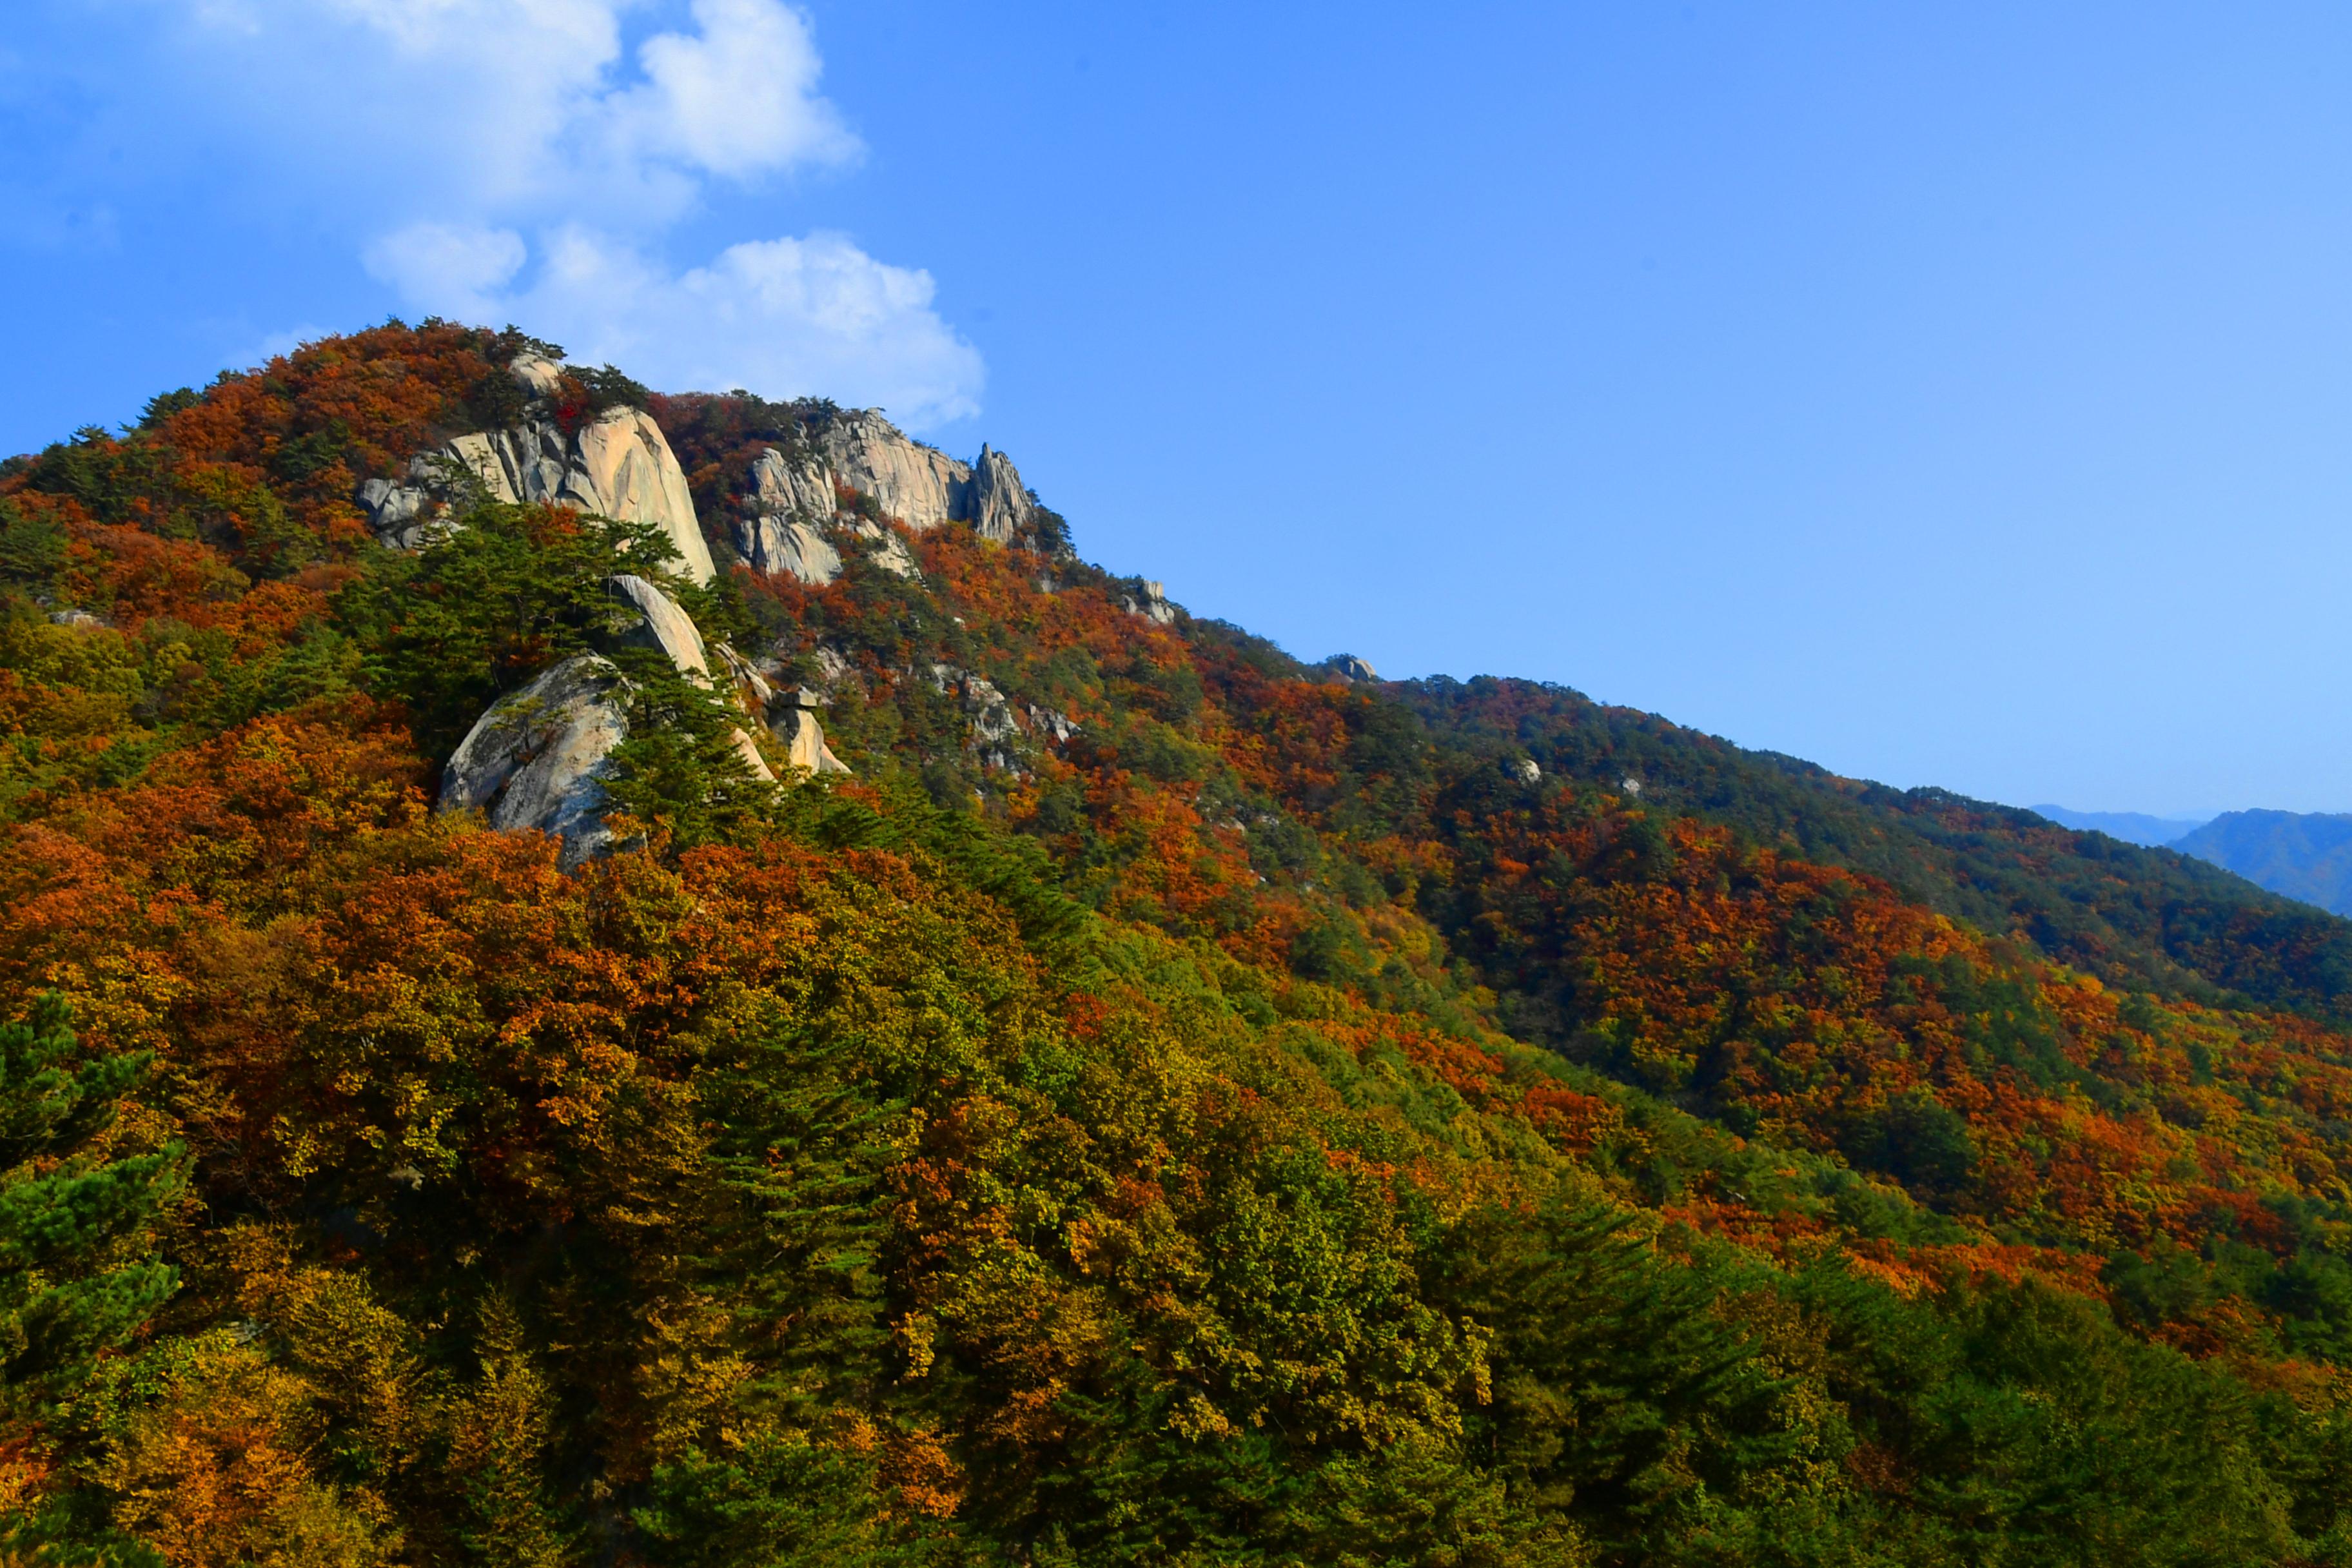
995 500
618 464
537 757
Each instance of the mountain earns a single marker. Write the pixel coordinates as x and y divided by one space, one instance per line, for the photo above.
2131 827
588 975
2305 855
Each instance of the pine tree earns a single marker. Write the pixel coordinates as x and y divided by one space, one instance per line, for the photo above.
78 1269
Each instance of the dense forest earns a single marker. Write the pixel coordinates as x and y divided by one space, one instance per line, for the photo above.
1166 1104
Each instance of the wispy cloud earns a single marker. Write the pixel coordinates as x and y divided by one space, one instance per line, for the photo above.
524 161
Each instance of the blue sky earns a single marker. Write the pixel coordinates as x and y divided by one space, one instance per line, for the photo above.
1951 395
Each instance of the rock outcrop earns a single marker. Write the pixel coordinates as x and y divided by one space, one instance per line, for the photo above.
996 500
794 723
886 549
618 464
993 729
538 758
918 484
787 547
791 715
1052 721
1150 602
1347 666
664 627
791 500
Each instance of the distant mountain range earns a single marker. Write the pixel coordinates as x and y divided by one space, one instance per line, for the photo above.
2303 855
2131 827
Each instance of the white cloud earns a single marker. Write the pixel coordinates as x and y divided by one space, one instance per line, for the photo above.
478 109
784 317
738 99
453 267
523 161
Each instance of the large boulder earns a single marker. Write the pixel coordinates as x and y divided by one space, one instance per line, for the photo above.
618 464
538 758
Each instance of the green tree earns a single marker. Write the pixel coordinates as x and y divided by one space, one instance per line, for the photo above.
79 1272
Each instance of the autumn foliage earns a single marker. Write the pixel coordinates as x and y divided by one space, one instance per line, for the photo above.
1194 1110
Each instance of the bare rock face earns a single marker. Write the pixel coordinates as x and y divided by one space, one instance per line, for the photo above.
996 500
540 375
664 627
618 465
1347 666
804 740
792 719
1051 723
782 488
918 486
909 481
401 514
537 757
787 547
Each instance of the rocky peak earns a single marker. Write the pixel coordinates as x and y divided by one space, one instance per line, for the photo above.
539 375
618 464
996 500
791 499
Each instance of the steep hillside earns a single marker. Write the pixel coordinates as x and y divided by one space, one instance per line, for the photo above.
2305 855
599 977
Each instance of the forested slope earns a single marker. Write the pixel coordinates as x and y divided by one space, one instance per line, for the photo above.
2156 917
1167 1104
